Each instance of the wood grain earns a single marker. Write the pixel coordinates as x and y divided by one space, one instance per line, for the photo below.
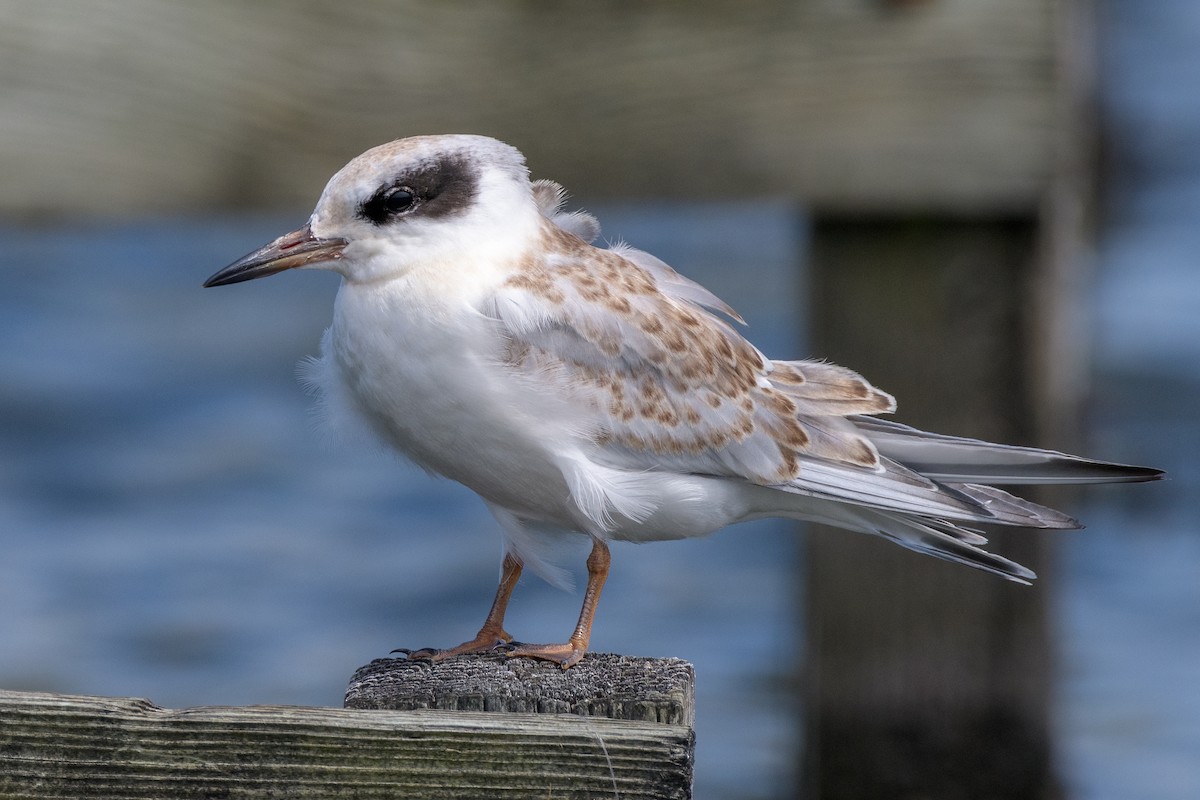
602 685
63 746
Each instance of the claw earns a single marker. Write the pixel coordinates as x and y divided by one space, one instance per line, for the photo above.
476 646
424 654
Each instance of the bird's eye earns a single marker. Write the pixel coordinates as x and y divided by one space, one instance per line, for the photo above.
399 200
388 203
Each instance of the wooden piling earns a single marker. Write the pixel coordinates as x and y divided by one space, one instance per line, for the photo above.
920 672
602 685
924 679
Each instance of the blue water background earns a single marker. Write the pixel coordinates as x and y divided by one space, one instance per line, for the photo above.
174 526
1129 612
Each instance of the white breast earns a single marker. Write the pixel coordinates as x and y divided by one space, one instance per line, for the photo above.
426 377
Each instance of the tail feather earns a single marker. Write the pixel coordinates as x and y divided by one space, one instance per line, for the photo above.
955 459
1009 509
944 540
897 488
935 537
927 485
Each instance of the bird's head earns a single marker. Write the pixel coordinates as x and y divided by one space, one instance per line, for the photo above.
421 201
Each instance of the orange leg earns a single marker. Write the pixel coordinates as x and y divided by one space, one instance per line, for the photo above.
569 653
492 634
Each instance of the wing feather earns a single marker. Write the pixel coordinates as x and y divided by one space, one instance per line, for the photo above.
664 382
958 459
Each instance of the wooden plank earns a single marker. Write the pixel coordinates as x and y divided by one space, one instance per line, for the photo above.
63 746
163 106
927 678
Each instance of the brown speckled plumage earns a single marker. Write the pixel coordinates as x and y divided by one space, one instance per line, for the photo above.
667 377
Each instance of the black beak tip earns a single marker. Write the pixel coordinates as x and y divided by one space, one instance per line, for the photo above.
246 269
218 279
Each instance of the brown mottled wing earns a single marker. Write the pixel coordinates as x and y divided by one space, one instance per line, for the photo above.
664 383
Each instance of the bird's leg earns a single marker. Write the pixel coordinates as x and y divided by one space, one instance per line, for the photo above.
569 653
492 634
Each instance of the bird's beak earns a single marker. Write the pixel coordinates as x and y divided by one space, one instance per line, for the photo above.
296 249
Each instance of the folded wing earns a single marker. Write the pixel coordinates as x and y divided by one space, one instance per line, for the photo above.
663 383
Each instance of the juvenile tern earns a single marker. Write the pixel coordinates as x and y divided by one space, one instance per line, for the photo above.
593 391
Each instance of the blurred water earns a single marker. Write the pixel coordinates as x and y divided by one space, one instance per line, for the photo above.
1130 602
1130 611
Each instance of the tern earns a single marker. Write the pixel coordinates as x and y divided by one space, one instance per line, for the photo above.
594 391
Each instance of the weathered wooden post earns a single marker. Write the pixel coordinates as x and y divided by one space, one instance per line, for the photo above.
920 674
475 728
602 685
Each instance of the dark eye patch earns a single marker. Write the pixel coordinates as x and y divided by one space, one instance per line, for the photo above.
389 202
440 188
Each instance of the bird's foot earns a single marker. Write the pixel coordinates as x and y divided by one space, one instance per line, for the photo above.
566 655
485 642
